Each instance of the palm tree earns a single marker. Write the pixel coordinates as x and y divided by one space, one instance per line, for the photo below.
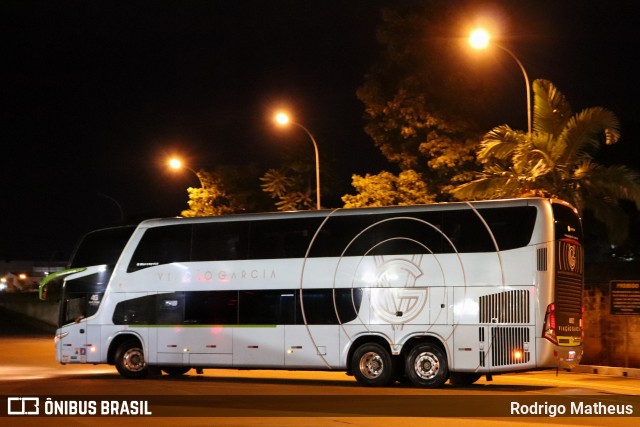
557 161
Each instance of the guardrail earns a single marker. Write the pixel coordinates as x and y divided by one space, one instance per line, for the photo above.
30 305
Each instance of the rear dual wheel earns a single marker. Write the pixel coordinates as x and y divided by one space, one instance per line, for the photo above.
426 366
372 365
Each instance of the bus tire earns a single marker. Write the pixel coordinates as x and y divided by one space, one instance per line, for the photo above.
130 361
426 366
176 371
461 379
372 365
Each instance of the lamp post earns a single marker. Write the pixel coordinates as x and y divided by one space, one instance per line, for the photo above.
117 204
479 39
283 120
175 163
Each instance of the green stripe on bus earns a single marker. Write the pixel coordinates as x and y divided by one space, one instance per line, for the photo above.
202 326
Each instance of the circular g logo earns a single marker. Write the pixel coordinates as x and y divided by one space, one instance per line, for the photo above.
395 299
572 257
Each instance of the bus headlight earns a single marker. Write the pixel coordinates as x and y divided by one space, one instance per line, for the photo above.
59 337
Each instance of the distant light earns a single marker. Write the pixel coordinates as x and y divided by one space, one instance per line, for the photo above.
22 276
479 38
175 163
282 118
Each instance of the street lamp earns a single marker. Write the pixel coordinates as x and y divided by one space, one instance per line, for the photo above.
175 163
479 39
283 120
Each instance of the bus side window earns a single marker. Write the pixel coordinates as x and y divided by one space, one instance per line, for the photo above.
136 311
511 227
162 245
170 309
219 241
281 239
211 307
260 307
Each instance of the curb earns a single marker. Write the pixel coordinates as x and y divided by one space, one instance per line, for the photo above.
607 370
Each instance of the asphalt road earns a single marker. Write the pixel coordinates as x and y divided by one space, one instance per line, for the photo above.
283 398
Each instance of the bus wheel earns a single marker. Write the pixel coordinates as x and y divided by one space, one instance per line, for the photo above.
372 365
176 371
462 379
130 361
426 366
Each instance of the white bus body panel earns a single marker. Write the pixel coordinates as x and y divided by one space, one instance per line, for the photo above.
404 296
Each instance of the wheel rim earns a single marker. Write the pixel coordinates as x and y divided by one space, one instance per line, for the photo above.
133 360
371 365
426 366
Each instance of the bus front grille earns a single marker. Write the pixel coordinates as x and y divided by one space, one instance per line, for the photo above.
505 307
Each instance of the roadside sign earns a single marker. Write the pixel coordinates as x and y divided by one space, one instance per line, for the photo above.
625 297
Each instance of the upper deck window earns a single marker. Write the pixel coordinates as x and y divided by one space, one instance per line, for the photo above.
366 234
567 223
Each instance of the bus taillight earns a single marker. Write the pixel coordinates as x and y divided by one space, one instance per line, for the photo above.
549 331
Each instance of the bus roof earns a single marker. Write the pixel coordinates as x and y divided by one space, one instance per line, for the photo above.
347 211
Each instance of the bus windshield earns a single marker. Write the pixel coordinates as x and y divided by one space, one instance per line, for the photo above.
102 247
94 257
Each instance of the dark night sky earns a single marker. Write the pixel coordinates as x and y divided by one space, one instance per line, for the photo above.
96 94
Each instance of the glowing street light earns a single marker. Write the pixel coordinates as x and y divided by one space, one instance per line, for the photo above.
480 39
175 163
283 120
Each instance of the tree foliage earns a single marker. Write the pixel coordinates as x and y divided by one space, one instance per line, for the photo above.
387 189
211 199
557 161
418 98
286 186
292 185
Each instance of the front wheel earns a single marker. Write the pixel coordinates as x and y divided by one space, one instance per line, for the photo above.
372 365
426 366
130 361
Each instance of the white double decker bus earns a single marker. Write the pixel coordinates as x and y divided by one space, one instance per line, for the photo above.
421 294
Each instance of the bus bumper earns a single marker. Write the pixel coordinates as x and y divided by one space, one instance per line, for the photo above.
554 356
